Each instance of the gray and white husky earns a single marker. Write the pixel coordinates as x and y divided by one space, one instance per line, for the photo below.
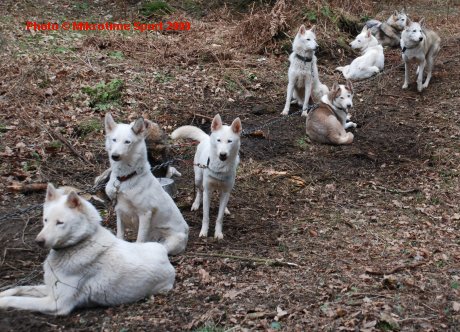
388 33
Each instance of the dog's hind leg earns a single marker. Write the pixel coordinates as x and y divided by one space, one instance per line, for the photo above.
47 304
308 88
224 197
34 291
290 90
429 69
198 188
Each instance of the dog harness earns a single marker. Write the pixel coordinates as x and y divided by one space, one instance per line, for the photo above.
303 58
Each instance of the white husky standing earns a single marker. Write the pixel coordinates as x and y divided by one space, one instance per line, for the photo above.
215 164
420 45
371 60
303 71
87 264
140 200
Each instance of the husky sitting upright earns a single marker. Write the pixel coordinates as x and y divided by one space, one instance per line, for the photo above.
388 33
303 71
87 264
371 60
327 123
420 45
215 163
140 200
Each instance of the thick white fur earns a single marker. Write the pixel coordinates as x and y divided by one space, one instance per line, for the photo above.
87 264
221 148
371 60
420 45
141 201
303 79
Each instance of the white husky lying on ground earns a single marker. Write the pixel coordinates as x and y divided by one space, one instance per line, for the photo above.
87 264
303 71
140 200
370 62
215 164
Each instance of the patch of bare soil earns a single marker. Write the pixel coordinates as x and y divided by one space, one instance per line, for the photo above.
362 237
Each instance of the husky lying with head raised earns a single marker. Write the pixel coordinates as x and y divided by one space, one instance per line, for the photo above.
303 71
140 199
419 45
371 60
327 123
388 33
215 163
87 264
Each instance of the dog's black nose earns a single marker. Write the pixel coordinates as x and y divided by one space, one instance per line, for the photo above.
222 156
421 38
116 157
40 242
349 105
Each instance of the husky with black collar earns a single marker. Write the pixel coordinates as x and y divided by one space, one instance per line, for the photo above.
303 72
140 200
215 163
327 123
419 45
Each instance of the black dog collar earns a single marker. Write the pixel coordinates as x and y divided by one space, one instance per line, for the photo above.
303 58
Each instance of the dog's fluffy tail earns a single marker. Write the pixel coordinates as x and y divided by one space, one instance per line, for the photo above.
190 132
373 24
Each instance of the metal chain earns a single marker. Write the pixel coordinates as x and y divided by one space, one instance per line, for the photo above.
270 123
20 212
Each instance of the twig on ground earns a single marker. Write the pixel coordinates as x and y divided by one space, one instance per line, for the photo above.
63 140
395 269
265 261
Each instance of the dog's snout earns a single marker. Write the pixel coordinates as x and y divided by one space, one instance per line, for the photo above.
349 105
116 157
40 242
222 156
421 38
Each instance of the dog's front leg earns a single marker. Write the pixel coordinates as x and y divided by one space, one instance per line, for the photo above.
206 207
47 304
290 90
145 221
224 197
120 227
421 68
406 75
34 291
308 83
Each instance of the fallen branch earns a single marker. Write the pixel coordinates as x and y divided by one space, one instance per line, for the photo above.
395 269
27 187
63 140
398 191
265 261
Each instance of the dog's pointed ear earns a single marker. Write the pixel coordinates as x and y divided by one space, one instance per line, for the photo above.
396 13
364 28
302 29
403 12
408 22
349 86
313 29
139 126
335 91
216 123
73 201
422 22
110 123
236 126
51 193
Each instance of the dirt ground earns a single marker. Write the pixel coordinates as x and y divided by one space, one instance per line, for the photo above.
363 237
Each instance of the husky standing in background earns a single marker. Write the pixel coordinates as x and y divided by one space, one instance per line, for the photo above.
140 200
420 45
303 71
388 33
87 264
215 163
371 60
327 123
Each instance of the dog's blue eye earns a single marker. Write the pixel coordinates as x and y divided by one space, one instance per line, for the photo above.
59 222
114 139
127 142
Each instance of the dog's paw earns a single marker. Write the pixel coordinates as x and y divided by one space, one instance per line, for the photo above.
304 114
405 85
419 87
285 112
425 85
203 233
350 125
195 206
227 211
219 235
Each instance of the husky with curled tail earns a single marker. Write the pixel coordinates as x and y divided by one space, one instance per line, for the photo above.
215 163
87 264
